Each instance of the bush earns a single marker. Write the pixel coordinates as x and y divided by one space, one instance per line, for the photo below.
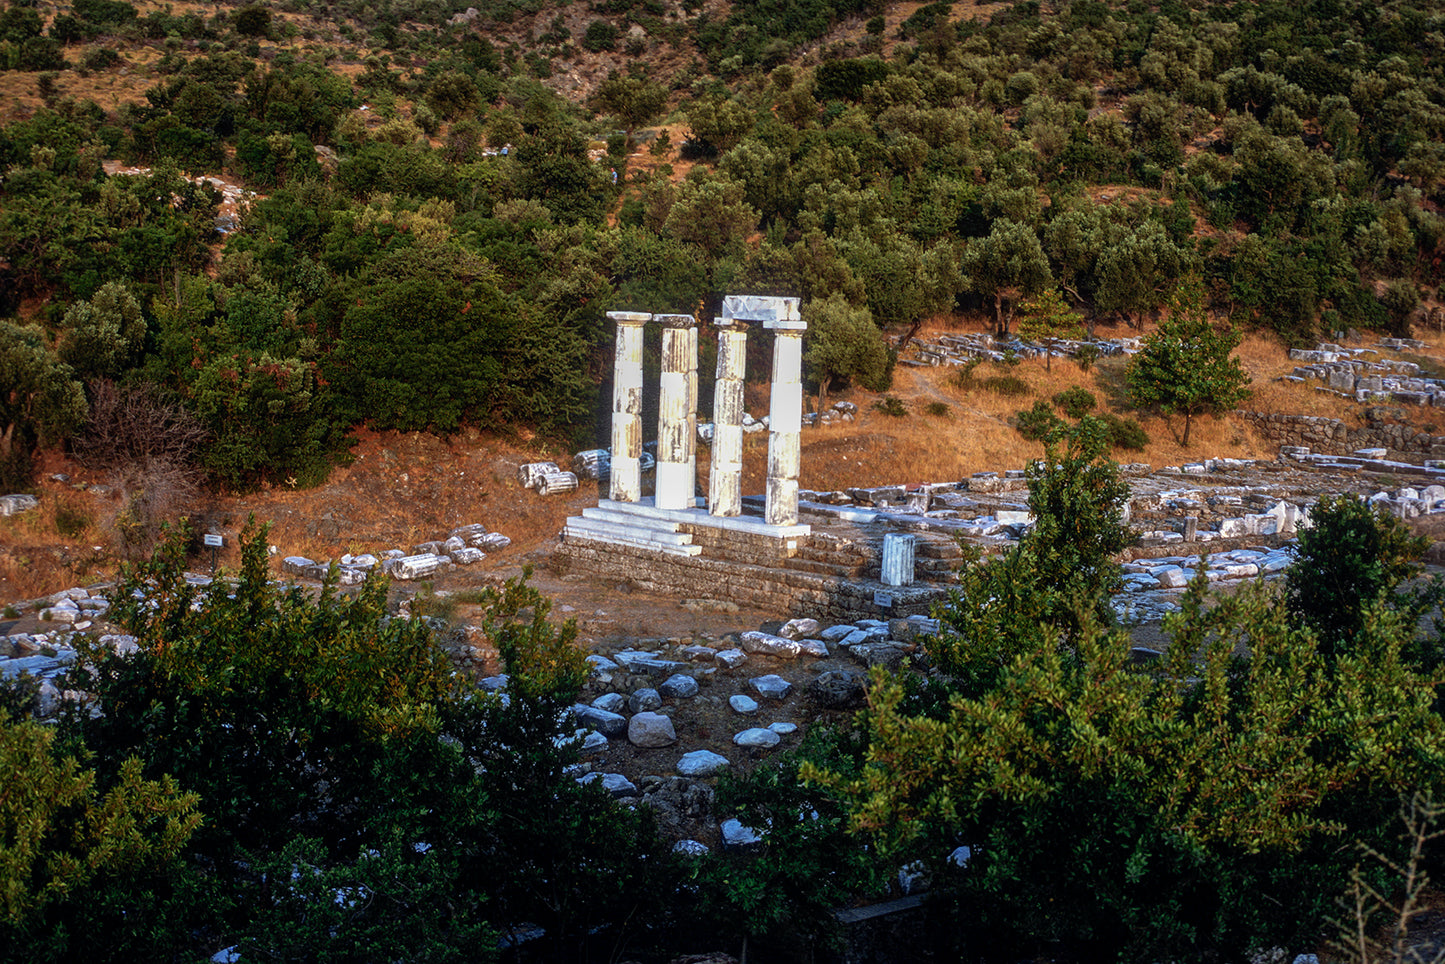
1124 432
890 405
1039 422
600 35
938 409
1009 386
1076 402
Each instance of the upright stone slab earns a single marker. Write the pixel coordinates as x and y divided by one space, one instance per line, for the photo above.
724 493
626 479
674 441
898 550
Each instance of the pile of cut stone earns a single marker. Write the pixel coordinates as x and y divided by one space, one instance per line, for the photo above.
1350 372
465 546
965 348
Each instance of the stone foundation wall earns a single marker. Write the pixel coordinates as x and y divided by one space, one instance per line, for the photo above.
763 587
1333 437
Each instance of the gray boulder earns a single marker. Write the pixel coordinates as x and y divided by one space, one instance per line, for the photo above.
702 763
651 730
772 686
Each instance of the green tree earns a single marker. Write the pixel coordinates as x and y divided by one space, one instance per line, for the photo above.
1186 367
1139 271
103 336
1352 556
843 343
1047 317
1007 265
631 98
1060 573
41 401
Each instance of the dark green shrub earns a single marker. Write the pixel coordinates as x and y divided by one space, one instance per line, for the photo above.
1038 423
891 405
100 59
1075 402
1009 386
1353 556
1124 432
938 409
600 35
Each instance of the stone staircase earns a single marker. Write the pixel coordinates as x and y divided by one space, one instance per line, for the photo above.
616 524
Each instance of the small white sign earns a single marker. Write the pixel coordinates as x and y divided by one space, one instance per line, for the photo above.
213 540
883 600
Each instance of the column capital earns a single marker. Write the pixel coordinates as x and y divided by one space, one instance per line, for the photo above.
630 317
676 321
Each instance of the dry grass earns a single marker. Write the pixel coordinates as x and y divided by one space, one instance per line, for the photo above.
55 546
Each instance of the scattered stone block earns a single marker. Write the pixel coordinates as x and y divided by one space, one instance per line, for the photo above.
555 483
614 783
732 658
644 700
651 730
837 690
608 724
610 702
783 729
702 763
757 738
798 628
15 504
745 705
679 686
771 686
767 644
738 836
530 475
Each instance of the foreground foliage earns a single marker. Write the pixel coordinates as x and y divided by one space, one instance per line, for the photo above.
1201 805
307 778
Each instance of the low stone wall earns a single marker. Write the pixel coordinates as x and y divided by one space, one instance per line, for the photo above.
763 587
1333 437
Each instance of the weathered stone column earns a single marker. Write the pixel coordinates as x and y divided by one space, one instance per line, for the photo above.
626 479
674 488
725 477
785 416
897 569
692 417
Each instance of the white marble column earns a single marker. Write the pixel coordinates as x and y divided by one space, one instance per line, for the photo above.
692 417
725 477
674 488
626 479
785 417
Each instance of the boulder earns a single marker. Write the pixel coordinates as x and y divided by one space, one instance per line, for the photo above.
757 738
644 700
679 686
651 730
608 724
772 686
745 705
702 763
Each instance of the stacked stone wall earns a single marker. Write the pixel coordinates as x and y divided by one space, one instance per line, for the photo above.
763 587
1333 437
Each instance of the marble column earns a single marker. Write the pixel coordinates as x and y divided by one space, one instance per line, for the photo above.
674 488
692 417
626 478
725 477
785 416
